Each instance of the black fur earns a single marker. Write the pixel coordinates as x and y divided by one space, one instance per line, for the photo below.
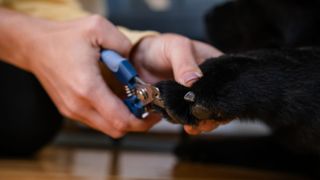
279 84
278 87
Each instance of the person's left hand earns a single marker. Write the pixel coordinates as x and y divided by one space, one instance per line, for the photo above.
170 56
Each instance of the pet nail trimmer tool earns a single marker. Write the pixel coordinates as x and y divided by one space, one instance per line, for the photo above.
140 95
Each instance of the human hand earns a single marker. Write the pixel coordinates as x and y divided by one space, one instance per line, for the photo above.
170 56
65 59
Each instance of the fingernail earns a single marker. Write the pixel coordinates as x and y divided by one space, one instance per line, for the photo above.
191 77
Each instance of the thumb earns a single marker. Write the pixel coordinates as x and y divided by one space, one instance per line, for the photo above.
108 36
183 61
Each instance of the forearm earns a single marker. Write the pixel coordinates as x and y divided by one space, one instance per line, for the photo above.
64 10
16 34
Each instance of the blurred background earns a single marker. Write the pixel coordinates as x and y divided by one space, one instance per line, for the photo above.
180 16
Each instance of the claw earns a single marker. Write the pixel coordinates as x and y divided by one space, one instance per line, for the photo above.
189 96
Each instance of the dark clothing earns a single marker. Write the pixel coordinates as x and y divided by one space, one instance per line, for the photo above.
29 119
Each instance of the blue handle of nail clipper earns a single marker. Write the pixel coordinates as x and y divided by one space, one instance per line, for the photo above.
126 74
120 67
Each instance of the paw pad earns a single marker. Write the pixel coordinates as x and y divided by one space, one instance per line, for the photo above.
201 112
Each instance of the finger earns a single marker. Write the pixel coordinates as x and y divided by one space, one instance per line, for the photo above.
109 37
208 125
204 51
93 119
142 125
191 130
111 108
180 54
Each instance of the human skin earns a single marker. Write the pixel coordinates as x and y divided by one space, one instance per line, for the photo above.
64 58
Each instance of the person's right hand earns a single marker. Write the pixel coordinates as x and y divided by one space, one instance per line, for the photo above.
65 60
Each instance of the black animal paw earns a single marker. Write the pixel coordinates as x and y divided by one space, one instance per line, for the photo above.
189 105
178 110
209 98
278 87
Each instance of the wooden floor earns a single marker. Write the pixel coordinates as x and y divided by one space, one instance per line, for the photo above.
60 162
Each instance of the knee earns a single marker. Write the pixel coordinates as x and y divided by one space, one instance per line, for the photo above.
25 139
27 124
29 119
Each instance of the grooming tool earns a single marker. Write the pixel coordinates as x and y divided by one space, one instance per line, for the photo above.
140 95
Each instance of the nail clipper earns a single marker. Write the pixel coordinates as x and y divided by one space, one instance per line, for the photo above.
140 95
